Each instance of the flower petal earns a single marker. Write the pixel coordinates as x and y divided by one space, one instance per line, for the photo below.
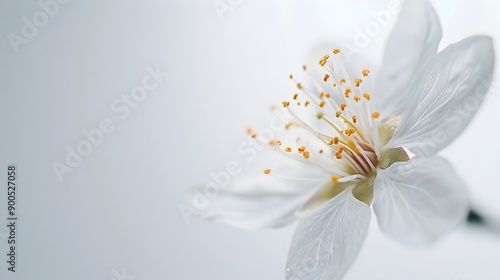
414 39
418 200
258 201
449 89
327 241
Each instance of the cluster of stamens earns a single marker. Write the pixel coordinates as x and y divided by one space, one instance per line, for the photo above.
350 131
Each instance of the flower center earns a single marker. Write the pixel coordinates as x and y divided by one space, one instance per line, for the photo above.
344 122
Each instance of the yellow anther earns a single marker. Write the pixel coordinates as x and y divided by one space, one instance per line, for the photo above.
338 154
365 72
338 113
334 141
273 107
327 95
267 171
349 132
375 115
357 82
334 85
299 86
304 67
285 104
326 77
305 154
301 149
254 135
279 142
354 119
321 94
322 61
320 151
342 106
307 103
356 98
320 115
341 81
295 96
249 130
347 92
336 51
367 96
298 103
288 125
272 142
335 179
288 149
321 104
291 77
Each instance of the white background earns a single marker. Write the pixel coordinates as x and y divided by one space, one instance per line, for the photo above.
118 209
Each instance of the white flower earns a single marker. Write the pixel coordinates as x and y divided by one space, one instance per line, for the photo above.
359 140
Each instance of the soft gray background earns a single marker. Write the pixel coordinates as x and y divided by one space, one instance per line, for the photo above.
118 210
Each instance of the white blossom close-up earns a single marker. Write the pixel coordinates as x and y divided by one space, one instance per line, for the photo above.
357 140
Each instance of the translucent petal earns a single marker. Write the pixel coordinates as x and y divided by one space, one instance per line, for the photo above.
327 241
414 39
449 90
256 201
418 200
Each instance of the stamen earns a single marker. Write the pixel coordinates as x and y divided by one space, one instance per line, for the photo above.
357 82
334 141
347 92
335 179
306 154
352 145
